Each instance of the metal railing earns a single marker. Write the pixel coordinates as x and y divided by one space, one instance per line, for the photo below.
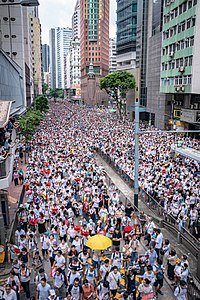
168 221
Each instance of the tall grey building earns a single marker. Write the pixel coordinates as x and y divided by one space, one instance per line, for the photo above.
76 21
126 34
53 57
59 42
45 58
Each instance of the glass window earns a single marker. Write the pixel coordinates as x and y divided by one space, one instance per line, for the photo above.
176 12
180 80
189 79
184 6
190 60
177 63
191 41
176 80
186 61
181 62
193 21
180 9
185 80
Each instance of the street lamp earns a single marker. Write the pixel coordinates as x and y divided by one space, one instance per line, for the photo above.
22 2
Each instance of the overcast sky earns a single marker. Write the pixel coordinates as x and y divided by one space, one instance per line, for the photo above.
58 13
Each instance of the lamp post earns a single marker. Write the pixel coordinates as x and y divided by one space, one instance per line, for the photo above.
137 123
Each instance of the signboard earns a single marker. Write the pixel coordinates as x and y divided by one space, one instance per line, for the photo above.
188 115
78 91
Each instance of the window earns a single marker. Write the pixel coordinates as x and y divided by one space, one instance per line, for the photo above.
193 21
182 45
188 23
190 60
176 80
191 41
177 63
184 6
180 9
180 80
189 4
189 79
186 61
187 43
181 62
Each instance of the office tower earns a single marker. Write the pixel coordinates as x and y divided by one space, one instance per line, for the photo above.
158 111
94 45
45 58
36 51
59 42
112 56
64 37
126 34
75 53
180 64
53 56
76 21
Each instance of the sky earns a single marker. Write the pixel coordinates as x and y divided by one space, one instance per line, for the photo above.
58 13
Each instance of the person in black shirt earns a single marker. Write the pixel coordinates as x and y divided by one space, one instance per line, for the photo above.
116 237
129 210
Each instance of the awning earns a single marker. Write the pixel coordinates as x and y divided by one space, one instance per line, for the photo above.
5 107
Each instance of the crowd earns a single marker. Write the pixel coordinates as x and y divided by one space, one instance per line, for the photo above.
67 201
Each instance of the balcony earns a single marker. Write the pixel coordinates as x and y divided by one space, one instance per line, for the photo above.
190 115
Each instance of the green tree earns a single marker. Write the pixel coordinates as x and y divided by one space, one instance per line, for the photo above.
57 93
45 88
117 85
41 103
29 122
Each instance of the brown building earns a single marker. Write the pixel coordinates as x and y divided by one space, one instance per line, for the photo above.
94 46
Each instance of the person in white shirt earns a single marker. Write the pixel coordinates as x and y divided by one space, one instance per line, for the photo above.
114 279
159 241
59 261
9 293
181 291
105 269
145 288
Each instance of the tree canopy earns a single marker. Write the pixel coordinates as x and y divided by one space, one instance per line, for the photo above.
117 85
57 93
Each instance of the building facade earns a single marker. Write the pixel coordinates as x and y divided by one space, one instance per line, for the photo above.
45 58
126 34
94 45
53 57
36 52
13 37
112 56
180 65
76 21
64 37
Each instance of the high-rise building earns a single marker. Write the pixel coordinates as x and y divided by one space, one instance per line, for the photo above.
112 55
126 34
180 64
75 51
76 21
53 57
64 37
157 108
45 58
94 44
59 42
36 51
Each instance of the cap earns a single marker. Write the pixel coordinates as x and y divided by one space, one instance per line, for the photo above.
54 242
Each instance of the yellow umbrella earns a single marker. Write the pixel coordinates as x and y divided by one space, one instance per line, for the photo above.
99 242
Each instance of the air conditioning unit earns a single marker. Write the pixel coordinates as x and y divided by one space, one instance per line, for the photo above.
168 3
172 1
178 88
191 106
182 88
171 53
196 105
181 69
180 103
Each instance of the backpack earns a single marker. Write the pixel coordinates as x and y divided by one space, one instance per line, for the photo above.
160 275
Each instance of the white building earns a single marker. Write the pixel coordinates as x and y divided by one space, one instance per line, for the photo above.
75 49
64 36
112 55
76 21
75 64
